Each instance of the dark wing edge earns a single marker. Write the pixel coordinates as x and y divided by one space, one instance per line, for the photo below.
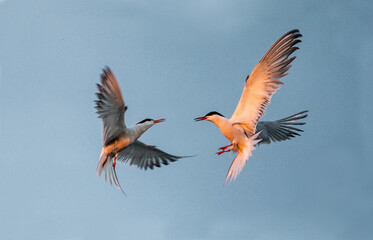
280 130
146 156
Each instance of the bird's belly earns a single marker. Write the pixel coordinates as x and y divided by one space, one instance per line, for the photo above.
237 138
233 133
122 143
117 146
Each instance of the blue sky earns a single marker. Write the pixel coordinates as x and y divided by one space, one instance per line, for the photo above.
180 60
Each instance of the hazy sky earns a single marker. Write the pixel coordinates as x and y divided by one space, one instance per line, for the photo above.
180 60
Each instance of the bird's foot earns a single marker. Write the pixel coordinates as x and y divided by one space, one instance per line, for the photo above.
223 151
115 160
223 148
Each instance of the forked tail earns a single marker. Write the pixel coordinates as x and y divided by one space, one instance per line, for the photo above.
106 165
242 156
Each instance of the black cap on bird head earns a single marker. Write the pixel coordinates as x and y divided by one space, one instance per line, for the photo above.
151 120
213 113
207 115
145 120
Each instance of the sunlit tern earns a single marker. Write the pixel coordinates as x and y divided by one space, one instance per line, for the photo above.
241 128
119 142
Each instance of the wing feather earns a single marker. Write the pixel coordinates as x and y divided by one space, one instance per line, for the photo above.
145 156
110 106
264 81
280 130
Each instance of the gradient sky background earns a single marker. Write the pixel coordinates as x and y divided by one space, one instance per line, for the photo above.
180 60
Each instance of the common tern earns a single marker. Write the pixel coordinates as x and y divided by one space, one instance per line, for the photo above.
243 129
119 142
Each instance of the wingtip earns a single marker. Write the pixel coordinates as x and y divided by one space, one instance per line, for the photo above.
106 68
188 156
106 71
295 30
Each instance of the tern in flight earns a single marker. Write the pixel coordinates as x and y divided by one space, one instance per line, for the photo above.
119 142
243 129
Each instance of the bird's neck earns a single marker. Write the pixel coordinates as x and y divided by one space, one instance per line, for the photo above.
219 121
136 131
225 126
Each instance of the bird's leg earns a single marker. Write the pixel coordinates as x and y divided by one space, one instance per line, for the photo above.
223 151
107 156
223 148
115 160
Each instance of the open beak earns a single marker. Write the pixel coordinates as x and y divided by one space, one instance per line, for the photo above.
200 119
159 120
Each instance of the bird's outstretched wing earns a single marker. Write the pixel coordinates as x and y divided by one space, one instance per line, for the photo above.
264 81
280 130
110 106
145 156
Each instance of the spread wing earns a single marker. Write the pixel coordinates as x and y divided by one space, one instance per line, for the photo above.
280 130
110 106
264 81
145 156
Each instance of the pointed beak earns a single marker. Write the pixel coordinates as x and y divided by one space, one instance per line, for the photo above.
200 119
159 120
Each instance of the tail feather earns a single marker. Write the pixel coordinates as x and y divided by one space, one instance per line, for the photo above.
101 163
110 174
241 158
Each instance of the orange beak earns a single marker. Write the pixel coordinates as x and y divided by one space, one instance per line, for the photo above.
159 120
200 119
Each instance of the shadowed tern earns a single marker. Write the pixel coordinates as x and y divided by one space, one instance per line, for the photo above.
119 142
243 129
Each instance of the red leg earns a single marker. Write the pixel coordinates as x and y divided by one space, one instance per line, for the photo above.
107 156
115 160
223 151
223 148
